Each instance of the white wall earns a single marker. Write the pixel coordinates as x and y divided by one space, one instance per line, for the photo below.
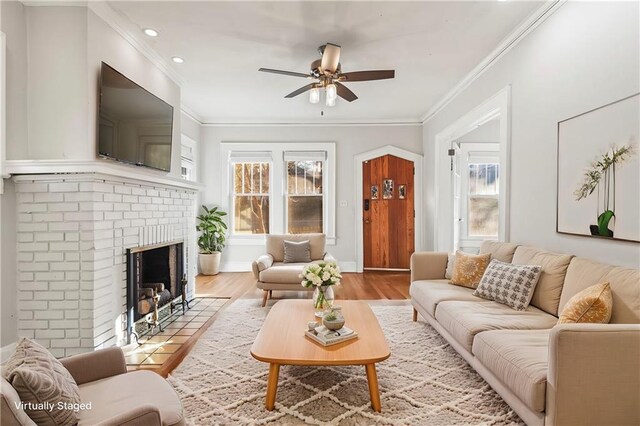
65 46
104 44
14 25
53 64
585 55
57 84
350 140
13 22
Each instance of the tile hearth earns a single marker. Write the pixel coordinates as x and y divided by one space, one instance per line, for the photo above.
156 349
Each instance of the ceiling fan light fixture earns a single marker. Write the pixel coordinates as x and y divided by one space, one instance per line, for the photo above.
314 95
332 92
330 101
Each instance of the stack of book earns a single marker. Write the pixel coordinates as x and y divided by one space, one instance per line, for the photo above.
327 337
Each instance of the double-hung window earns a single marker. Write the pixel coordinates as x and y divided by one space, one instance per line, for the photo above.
483 193
251 196
287 189
304 192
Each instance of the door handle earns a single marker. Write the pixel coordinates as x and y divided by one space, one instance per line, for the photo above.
367 221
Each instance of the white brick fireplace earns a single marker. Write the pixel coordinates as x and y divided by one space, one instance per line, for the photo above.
73 231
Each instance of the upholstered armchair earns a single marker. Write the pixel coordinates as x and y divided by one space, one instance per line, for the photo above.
117 397
273 273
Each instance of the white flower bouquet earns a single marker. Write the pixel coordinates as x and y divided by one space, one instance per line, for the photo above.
321 277
320 274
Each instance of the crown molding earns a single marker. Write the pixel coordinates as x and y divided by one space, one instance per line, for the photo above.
337 123
186 110
131 34
54 3
515 37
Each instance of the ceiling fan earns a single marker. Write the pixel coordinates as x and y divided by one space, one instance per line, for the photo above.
327 72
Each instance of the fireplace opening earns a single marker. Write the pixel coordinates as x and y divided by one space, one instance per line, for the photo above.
154 280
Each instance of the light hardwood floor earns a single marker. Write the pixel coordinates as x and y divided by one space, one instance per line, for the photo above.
370 285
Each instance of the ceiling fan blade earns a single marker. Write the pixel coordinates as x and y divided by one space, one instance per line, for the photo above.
291 73
345 93
330 58
301 90
368 75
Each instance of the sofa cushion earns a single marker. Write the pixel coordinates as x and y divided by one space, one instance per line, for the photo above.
591 305
469 268
275 245
297 251
519 359
624 282
124 392
498 250
464 319
284 273
39 377
428 293
554 268
451 263
509 284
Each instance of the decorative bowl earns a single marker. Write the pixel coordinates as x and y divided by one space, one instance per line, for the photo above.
335 324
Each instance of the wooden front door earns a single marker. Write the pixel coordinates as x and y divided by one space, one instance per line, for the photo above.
388 219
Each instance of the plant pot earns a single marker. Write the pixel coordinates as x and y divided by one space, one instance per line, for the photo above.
209 263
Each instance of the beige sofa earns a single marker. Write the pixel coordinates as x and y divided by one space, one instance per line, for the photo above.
568 374
273 274
118 398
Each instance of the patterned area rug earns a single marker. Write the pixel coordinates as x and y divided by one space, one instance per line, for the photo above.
424 382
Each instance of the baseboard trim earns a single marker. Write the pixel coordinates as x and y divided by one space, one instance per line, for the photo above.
234 266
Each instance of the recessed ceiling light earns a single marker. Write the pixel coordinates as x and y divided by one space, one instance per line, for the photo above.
177 59
150 32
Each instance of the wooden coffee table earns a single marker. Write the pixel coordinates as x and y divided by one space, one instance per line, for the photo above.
281 341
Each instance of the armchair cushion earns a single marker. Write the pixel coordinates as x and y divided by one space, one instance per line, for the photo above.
38 377
97 365
284 273
137 395
264 262
297 251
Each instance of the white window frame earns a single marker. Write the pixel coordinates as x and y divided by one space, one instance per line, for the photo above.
249 159
305 156
277 185
472 153
188 156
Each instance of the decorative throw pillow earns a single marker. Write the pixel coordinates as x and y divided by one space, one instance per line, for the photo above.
593 304
468 269
451 261
40 379
509 284
297 252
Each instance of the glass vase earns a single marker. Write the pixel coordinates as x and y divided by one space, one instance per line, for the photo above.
322 299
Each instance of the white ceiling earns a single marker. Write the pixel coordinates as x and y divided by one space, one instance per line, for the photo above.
431 45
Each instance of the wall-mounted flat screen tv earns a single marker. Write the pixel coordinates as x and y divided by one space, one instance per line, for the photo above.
135 126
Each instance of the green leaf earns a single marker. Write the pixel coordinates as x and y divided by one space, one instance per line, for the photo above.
603 222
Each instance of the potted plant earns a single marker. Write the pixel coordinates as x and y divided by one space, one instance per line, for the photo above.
211 240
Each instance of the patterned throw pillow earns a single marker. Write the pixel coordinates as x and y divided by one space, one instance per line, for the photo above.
41 379
468 269
509 284
593 304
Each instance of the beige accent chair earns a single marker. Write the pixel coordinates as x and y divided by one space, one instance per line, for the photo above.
273 274
565 374
118 397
